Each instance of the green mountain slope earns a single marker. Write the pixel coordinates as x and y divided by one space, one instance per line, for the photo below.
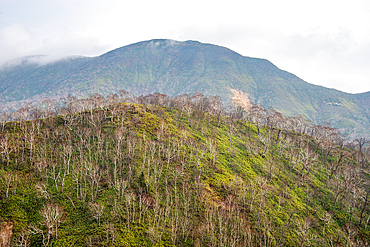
143 175
173 68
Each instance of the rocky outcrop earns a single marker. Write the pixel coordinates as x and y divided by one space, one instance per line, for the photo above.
6 233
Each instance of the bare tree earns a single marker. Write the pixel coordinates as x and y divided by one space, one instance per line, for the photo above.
6 148
361 142
361 145
304 232
212 150
9 181
4 117
231 132
366 201
97 210
257 114
52 217
326 218
22 239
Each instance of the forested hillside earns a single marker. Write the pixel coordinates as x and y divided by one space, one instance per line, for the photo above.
181 171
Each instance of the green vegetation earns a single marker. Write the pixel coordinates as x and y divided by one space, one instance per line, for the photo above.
178 172
176 68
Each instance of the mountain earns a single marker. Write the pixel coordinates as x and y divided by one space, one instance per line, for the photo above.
173 68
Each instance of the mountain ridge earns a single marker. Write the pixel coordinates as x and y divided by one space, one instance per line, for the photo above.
179 67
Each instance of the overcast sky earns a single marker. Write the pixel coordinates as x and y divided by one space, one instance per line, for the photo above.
324 42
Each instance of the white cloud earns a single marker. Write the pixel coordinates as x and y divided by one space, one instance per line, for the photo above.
322 41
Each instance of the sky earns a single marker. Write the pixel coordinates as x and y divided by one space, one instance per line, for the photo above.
324 42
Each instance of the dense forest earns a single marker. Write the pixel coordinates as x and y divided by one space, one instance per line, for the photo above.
178 171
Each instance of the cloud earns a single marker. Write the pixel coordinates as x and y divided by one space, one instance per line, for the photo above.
323 42
336 61
17 42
